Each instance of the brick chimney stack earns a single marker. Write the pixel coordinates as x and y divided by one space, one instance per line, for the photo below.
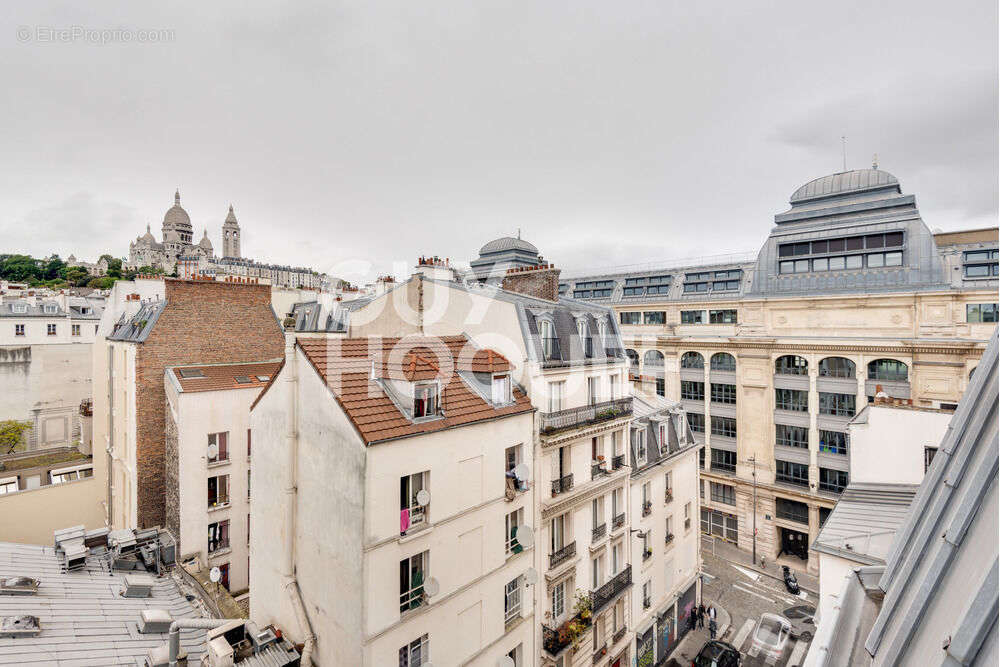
540 281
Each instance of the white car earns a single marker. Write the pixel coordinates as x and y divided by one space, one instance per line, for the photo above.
771 635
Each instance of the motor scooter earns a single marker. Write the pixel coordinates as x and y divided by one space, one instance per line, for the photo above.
791 583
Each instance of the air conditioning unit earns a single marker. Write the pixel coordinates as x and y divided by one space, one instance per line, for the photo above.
18 586
137 586
19 626
154 621
74 554
160 657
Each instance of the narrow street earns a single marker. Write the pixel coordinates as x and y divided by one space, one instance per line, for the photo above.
744 593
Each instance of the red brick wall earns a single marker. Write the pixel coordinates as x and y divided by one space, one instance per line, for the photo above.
541 283
203 322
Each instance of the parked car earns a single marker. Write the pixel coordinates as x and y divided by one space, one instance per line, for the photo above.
717 654
791 583
801 619
771 635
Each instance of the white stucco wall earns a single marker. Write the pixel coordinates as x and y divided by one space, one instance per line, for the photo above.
888 446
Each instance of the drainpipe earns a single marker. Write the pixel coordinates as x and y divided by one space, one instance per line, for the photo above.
174 642
291 493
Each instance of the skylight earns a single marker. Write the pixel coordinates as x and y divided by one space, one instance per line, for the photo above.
190 373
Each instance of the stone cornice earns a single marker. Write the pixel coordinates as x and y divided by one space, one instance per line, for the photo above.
549 441
956 347
584 495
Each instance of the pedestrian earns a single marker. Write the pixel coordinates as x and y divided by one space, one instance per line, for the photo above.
712 628
711 613
692 619
701 616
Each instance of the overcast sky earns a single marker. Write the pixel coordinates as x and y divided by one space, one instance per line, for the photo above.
610 133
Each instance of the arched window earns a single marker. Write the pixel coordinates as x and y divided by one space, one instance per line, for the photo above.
723 361
972 371
633 357
889 370
653 358
692 360
791 364
836 367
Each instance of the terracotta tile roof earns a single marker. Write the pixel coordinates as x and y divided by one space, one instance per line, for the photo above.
345 364
224 376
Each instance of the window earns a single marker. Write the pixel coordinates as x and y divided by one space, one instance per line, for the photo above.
661 387
219 444
791 365
929 453
411 512
987 266
224 570
791 510
593 390
415 654
727 316
670 527
51 329
791 436
796 400
218 491
981 312
597 512
697 422
654 317
639 445
687 516
723 460
841 405
49 308
218 536
693 391
724 426
723 361
556 390
18 329
692 317
248 485
514 520
19 307
701 461
653 359
633 358
723 493
834 481
692 360
617 561
425 400
833 442
557 533
887 369
8 485
501 389
613 387
70 474
558 600
248 444
791 473
724 393
512 600
836 367
550 344
413 572
75 330
583 331
630 317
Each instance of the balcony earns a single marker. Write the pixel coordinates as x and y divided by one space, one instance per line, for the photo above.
598 470
606 593
599 532
668 497
647 508
586 415
647 603
618 521
618 462
562 555
618 635
562 485
669 538
600 653
554 640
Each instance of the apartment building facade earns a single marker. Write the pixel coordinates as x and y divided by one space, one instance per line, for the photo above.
850 295
151 325
398 508
208 449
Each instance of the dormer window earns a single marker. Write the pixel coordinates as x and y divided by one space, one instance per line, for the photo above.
49 308
501 389
639 445
425 400
20 307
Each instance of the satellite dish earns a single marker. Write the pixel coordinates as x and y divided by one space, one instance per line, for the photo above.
524 536
521 472
213 451
505 661
423 497
215 575
432 587
530 576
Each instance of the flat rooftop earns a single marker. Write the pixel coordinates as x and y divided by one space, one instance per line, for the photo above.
83 618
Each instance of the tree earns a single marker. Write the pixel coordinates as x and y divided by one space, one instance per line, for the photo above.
19 268
77 276
54 268
104 282
11 433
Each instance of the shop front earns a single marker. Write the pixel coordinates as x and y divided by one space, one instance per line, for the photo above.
720 524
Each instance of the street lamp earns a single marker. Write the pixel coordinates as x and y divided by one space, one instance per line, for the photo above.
753 462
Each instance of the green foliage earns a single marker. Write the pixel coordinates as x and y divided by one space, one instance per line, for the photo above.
11 433
142 271
77 276
54 268
20 268
104 282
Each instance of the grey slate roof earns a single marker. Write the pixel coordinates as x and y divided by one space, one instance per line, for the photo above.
844 182
7 309
83 618
136 329
864 522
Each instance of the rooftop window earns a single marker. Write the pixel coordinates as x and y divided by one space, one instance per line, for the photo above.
190 373
712 281
980 263
425 400
791 252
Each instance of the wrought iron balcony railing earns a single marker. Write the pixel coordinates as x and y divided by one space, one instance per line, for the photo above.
599 532
602 596
562 555
647 508
618 635
597 470
586 414
562 485
668 497
618 521
618 462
